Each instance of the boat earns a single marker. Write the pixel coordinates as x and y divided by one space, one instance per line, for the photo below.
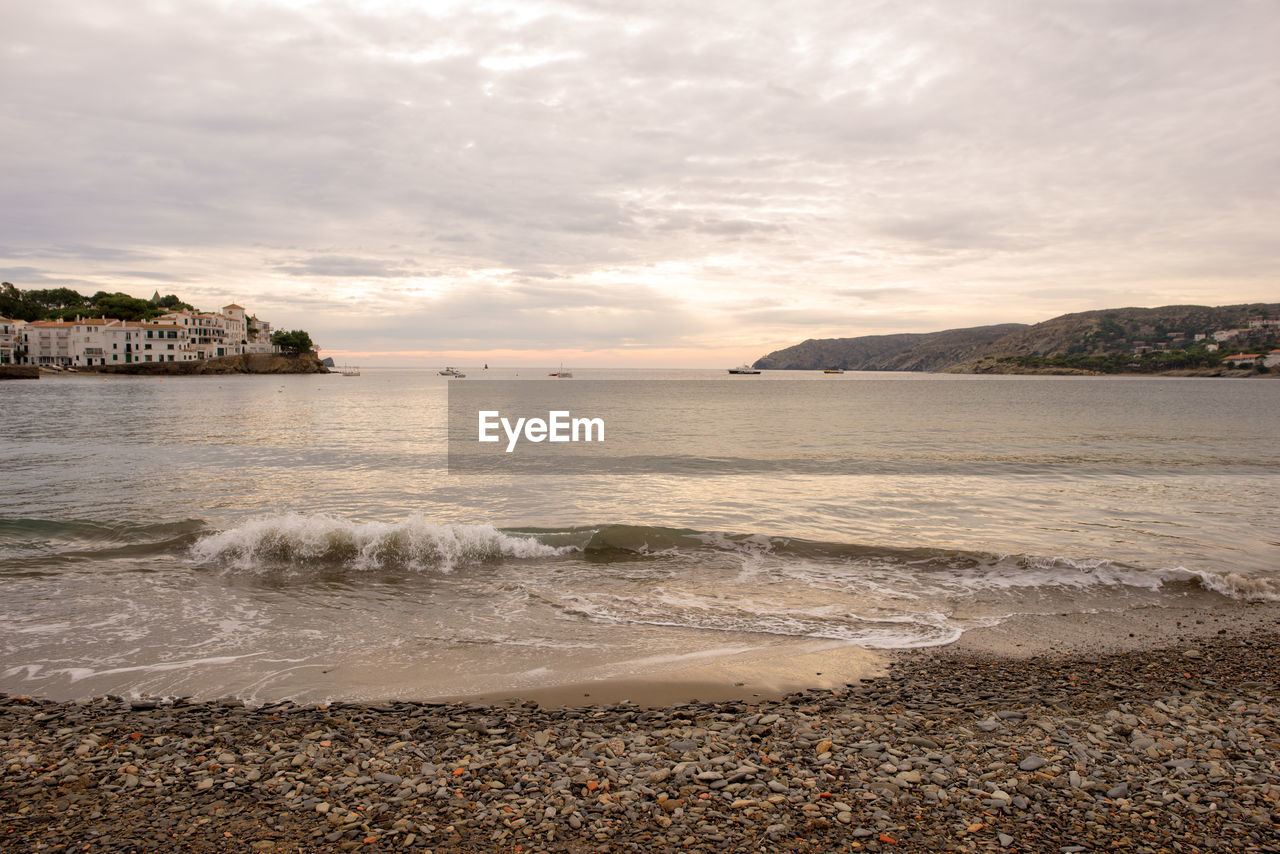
744 368
451 372
833 371
562 373
350 370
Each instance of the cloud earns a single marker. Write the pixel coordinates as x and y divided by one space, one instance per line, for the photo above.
343 267
946 160
24 275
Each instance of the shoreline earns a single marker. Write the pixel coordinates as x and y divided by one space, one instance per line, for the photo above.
771 674
1163 741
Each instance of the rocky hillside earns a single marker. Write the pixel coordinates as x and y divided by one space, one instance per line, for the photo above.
928 351
1107 331
1121 328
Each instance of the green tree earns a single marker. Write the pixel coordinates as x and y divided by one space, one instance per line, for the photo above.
57 299
171 303
15 305
124 307
293 342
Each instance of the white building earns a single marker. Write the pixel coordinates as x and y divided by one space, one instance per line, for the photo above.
10 339
150 341
104 341
180 336
1243 360
212 334
48 342
259 337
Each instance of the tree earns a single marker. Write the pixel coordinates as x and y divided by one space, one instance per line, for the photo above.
124 307
171 303
57 298
293 342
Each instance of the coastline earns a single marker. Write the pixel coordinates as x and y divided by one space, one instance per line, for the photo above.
993 367
1164 740
249 363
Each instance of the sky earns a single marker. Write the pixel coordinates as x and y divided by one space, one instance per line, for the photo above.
626 184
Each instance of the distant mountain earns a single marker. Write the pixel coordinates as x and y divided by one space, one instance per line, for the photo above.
1112 333
905 351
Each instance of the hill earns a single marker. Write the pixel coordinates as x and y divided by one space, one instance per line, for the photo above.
907 351
1101 341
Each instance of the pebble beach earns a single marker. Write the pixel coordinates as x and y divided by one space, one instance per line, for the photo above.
1168 745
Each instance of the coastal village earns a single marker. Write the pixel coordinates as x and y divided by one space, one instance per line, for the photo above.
1212 341
177 336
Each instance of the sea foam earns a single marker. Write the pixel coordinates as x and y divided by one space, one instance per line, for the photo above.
301 541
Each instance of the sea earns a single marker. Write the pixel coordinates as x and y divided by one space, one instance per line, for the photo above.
305 537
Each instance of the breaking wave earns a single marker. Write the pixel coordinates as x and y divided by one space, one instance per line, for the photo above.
301 543
295 540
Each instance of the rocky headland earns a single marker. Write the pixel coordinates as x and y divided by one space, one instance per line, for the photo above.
1168 340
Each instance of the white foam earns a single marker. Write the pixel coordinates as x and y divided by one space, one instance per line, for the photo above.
1238 586
75 674
296 539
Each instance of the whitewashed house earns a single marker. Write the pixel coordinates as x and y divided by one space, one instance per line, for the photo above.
259 337
179 336
48 342
10 340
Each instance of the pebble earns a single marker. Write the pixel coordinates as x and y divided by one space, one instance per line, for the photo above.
1150 750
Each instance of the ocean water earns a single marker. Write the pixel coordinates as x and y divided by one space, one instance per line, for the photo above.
302 537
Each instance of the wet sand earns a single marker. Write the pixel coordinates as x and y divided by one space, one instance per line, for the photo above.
766 674
820 665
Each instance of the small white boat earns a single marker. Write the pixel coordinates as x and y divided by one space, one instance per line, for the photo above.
451 372
350 370
562 373
744 368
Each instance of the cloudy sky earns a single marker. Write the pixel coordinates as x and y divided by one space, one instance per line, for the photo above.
608 183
